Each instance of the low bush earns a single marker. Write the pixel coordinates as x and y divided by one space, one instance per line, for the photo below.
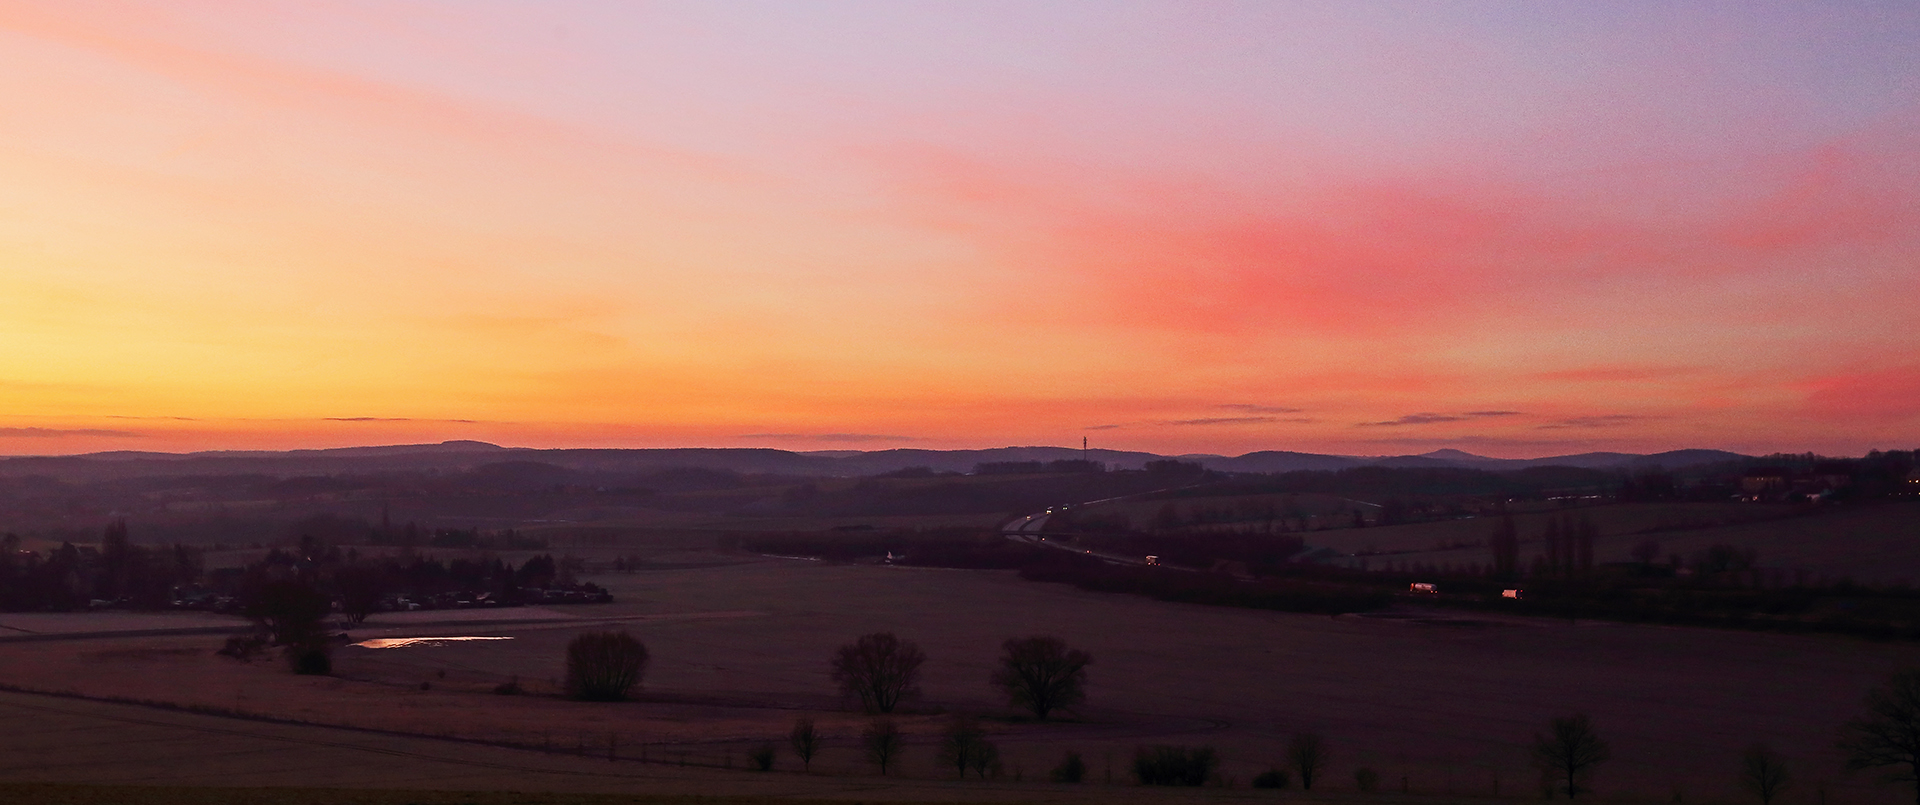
1174 765
245 648
314 658
1271 778
604 666
1366 779
1072 769
762 757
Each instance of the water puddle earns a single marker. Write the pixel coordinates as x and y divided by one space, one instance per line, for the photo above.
412 642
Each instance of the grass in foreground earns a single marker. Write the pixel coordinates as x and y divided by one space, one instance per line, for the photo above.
71 794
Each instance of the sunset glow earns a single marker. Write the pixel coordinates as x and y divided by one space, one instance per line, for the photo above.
1518 229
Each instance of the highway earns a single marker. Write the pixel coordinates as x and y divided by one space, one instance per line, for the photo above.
1032 530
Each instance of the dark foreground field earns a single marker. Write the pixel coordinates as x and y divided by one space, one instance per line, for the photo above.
1440 705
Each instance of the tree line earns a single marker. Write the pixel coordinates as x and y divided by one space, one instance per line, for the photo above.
117 572
1041 675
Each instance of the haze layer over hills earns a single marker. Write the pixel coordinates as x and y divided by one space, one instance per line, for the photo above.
459 454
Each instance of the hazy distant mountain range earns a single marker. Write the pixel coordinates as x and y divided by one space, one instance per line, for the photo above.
468 454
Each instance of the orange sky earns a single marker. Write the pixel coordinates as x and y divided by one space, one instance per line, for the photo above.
1329 227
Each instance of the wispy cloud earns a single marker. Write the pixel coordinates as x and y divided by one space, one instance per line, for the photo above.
1618 374
1429 418
392 419
831 437
1260 409
55 433
1223 420
1211 420
1600 421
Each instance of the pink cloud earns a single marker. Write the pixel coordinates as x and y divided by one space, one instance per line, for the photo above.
1868 395
1618 373
1407 255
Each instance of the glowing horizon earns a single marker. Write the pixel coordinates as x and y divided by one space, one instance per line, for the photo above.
1514 229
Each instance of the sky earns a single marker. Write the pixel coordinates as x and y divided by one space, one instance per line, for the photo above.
1513 228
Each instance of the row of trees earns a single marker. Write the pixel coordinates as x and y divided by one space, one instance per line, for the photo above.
1567 542
1039 674
70 577
1888 736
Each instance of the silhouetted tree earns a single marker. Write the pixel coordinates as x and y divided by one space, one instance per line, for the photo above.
960 742
1559 558
1568 752
604 666
1174 765
762 757
1764 772
1505 543
361 586
116 560
293 614
985 757
1889 735
1584 534
879 669
883 743
1072 769
805 741
1271 778
1041 674
1366 779
1307 754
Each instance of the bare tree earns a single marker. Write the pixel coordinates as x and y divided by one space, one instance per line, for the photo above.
604 666
1764 772
805 741
762 756
879 669
1041 674
961 743
1307 754
362 586
986 757
293 614
883 742
1569 751
1890 733
1505 543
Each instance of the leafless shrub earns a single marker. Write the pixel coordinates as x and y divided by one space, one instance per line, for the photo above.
1568 753
762 757
1307 754
805 741
883 742
1041 674
604 666
879 669
1764 772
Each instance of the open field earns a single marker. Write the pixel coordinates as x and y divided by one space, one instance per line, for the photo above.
740 651
131 755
